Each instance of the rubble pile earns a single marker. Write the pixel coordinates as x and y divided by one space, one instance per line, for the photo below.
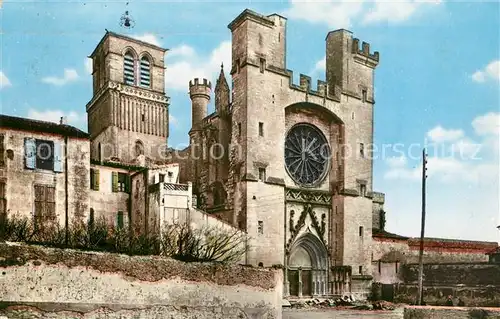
346 302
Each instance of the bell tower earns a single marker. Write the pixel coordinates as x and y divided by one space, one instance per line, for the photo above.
128 112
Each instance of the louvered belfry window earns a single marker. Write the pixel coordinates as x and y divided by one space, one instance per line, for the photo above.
145 72
128 69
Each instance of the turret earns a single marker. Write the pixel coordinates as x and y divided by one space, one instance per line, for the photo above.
199 92
348 66
222 94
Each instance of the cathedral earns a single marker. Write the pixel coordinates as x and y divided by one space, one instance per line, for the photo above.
287 163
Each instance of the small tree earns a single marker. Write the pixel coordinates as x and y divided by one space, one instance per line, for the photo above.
182 242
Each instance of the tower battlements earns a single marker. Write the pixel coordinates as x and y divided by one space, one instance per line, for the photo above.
200 87
305 85
199 92
364 51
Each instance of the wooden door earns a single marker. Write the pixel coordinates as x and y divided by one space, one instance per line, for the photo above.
306 283
293 279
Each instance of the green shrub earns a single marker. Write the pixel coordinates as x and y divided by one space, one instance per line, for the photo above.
178 241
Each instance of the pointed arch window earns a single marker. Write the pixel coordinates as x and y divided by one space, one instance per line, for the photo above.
128 69
145 68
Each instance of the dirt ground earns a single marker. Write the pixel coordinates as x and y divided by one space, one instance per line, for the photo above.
340 314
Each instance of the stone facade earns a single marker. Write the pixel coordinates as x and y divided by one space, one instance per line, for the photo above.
307 229
128 113
324 223
390 252
44 171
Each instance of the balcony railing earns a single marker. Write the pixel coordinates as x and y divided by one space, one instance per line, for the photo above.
175 187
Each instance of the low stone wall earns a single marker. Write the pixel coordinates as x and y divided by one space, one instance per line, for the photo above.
476 284
450 312
56 283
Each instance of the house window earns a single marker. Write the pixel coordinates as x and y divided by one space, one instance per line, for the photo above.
261 227
45 205
261 129
120 182
232 90
3 202
362 190
360 231
128 69
43 154
161 178
380 267
2 151
145 72
239 129
91 217
360 270
397 266
94 179
139 148
364 95
362 149
119 220
262 174
262 65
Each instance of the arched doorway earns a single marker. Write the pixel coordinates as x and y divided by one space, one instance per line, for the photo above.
307 267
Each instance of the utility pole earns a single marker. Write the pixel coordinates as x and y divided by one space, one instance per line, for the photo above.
422 231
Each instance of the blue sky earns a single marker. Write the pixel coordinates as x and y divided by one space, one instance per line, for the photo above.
437 83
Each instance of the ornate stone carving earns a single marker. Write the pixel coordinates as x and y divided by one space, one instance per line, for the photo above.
301 222
305 196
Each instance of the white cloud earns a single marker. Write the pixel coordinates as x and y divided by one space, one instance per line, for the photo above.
149 38
4 81
394 11
70 75
466 148
399 161
461 158
72 117
88 65
490 72
342 13
320 66
439 134
335 14
487 124
172 120
182 51
189 66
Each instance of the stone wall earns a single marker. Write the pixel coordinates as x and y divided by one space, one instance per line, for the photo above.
68 283
449 312
20 182
476 284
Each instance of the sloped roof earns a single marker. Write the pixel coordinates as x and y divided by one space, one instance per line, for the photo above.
25 124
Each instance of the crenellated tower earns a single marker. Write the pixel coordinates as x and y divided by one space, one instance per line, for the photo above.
349 67
199 92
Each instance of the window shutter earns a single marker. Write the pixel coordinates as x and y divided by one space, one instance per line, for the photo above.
58 157
119 220
30 152
96 179
127 184
115 181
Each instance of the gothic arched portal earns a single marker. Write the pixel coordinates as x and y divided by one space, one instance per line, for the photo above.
307 267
